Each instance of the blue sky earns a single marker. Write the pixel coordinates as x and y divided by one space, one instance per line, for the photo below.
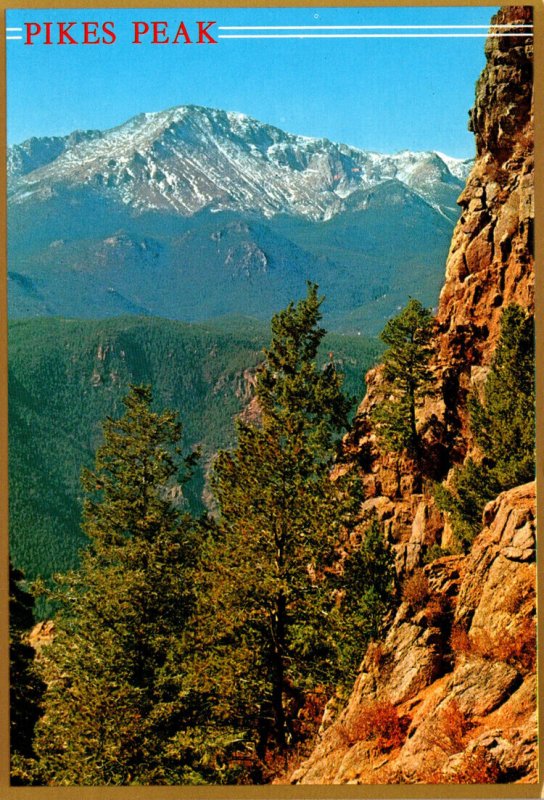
384 94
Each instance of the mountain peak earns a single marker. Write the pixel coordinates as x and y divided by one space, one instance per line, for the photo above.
188 158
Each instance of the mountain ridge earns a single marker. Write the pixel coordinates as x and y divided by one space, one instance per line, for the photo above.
188 158
192 213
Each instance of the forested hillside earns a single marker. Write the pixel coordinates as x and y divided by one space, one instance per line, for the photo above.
66 376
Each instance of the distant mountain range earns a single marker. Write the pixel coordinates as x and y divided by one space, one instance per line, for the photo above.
193 213
190 158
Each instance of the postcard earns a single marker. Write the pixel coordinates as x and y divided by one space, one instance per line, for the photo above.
272 443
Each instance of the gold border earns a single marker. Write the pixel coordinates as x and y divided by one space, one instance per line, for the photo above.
257 792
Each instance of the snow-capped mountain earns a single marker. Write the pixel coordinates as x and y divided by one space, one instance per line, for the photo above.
193 213
190 158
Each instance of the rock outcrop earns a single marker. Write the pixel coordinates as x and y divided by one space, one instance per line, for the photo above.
450 695
490 263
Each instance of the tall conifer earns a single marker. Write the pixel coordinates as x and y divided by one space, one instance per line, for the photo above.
265 603
408 379
114 712
502 420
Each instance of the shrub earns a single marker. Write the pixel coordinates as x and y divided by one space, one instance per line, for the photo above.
438 609
483 645
449 732
516 648
476 767
435 551
519 649
460 641
379 723
416 590
454 725
309 717
376 654
522 592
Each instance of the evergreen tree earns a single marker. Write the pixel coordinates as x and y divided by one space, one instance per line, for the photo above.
469 488
503 423
368 584
407 378
26 688
114 711
266 631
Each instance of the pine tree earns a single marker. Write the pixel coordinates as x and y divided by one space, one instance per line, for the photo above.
469 488
503 424
503 421
114 711
407 378
26 688
368 584
267 633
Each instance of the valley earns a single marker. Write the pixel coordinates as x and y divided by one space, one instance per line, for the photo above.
66 376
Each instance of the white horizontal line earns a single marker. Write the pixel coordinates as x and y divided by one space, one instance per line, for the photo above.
369 35
359 27
11 38
14 29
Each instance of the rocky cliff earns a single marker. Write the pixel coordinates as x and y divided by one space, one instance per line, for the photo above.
490 265
448 696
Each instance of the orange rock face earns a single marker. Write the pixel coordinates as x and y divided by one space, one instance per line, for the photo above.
490 263
451 690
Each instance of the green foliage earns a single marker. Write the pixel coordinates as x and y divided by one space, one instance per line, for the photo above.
503 423
266 632
407 378
26 688
470 488
114 707
183 652
368 587
435 551
65 376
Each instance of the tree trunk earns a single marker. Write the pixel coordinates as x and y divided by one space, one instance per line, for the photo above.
278 673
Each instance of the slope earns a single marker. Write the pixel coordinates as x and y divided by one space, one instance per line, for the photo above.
65 376
448 695
77 255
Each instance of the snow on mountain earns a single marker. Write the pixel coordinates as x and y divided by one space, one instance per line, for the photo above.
189 158
460 167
